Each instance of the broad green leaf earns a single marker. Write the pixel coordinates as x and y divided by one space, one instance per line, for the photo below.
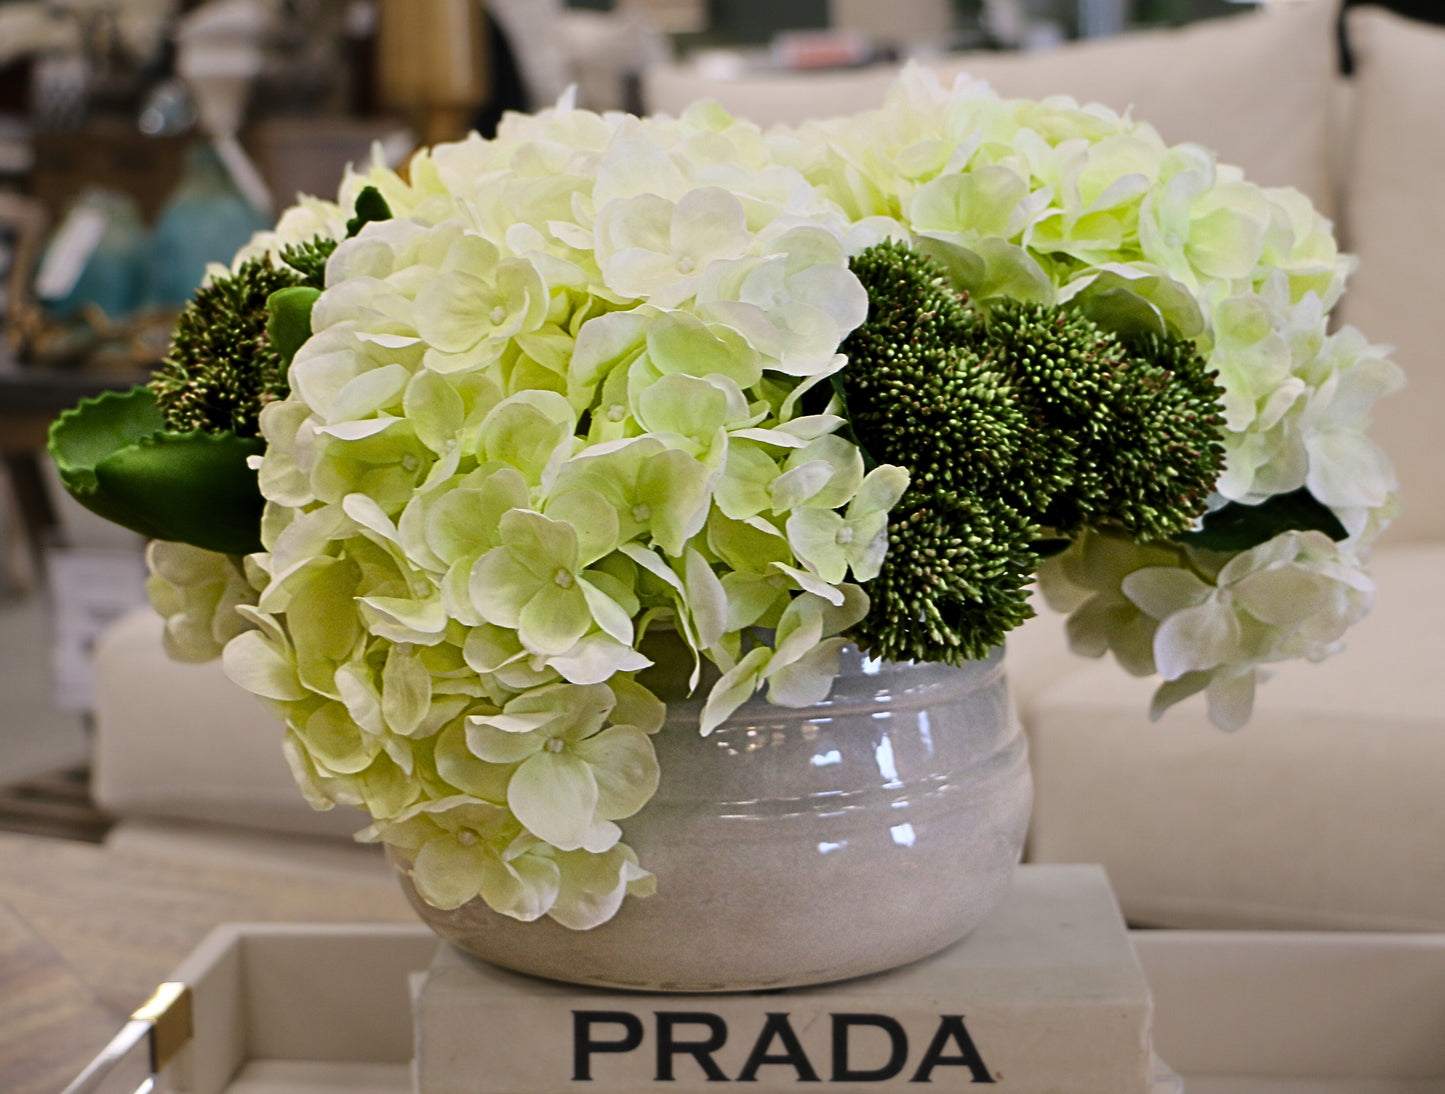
370 207
288 321
1238 527
115 458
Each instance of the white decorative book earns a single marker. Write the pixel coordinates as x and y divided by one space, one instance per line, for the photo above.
1045 996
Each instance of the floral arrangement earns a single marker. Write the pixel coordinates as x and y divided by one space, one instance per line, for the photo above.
555 402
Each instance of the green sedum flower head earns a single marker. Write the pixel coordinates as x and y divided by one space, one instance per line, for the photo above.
1010 421
918 392
222 367
1132 429
953 581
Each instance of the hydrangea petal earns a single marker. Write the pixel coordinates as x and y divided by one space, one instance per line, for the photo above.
256 664
814 535
597 658
498 746
733 689
525 888
554 618
1193 639
614 620
501 587
808 680
469 773
554 794
1231 700
625 767
1161 590
447 872
593 887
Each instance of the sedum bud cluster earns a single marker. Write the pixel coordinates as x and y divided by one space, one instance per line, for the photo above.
1130 430
309 260
952 583
1026 418
221 368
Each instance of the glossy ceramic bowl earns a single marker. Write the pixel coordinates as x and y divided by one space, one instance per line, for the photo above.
802 846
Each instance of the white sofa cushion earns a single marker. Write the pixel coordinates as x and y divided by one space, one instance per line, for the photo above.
1257 88
1038 658
1396 223
1326 811
183 742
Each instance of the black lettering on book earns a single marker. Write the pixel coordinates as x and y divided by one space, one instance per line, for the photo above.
583 1046
597 1032
844 1071
778 1028
668 1044
951 1028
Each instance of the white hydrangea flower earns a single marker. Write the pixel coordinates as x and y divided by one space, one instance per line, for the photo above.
448 559
197 592
1167 610
1298 400
1291 597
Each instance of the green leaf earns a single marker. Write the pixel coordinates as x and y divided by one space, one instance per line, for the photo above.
191 488
1238 527
840 392
84 435
115 458
288 319
370 205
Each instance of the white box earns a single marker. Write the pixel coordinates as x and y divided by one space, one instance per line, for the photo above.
287 1009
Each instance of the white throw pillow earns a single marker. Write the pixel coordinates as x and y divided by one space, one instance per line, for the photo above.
1257 88
1396 221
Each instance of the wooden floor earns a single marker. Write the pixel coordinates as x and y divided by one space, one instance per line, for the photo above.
56 804
87 932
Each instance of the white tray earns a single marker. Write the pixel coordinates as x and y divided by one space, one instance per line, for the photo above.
285 1009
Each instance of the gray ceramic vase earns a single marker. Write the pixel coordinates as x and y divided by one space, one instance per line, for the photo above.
802 846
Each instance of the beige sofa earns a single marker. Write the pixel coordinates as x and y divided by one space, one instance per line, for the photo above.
1327 811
